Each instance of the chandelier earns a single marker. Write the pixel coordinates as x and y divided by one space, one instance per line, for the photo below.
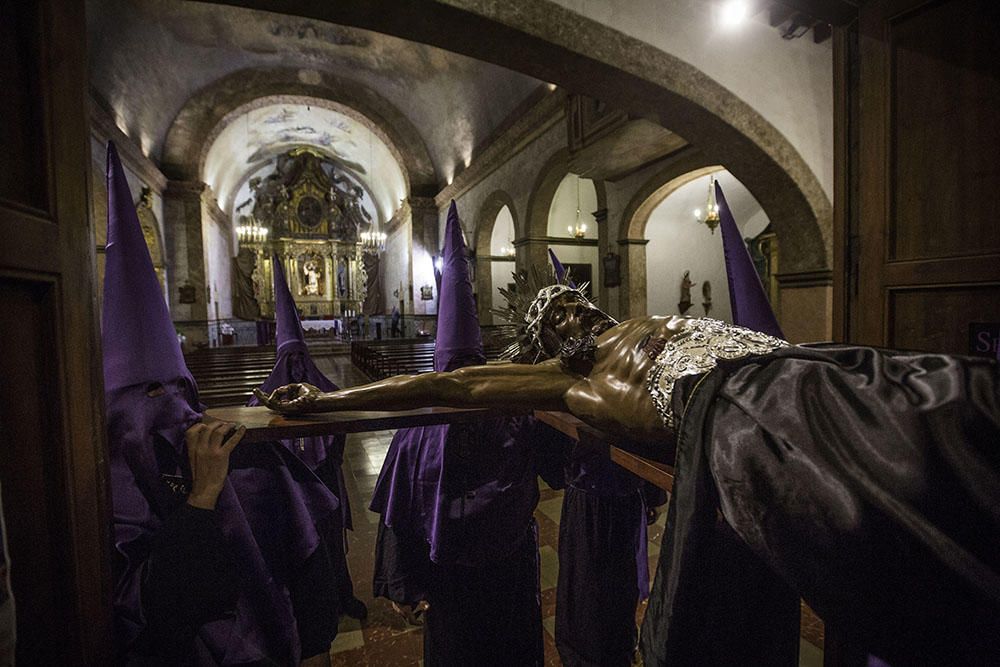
711 215
251 231
373 241
580 228
577 230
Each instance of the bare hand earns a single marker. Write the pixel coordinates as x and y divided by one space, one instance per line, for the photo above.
208 451
292 398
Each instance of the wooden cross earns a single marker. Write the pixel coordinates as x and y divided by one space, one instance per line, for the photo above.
264 425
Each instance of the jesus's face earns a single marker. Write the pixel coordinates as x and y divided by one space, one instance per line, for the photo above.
573 316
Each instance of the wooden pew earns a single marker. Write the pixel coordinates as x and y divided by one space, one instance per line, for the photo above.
381 359
228 375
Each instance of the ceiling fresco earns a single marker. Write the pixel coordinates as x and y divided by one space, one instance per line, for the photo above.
168 51
251 141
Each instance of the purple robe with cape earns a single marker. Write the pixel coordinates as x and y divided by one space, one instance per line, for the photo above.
224 575
323 454
456 504
603 557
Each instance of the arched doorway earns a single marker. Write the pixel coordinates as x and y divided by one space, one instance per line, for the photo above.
572 229
680 244
496 230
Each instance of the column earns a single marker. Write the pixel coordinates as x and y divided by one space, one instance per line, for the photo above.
632 293
603 247
182 222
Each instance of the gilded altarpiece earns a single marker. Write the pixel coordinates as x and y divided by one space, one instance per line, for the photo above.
314 221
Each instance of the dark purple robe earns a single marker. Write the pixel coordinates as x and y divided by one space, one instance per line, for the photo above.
458 531
210 587
603 562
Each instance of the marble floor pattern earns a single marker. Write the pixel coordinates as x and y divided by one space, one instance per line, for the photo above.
384 638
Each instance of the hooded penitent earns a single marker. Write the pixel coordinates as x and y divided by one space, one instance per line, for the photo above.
468 491
559 269
294 364
602 550
151 401
749 303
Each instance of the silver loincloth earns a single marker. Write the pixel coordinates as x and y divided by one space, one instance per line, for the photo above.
697 349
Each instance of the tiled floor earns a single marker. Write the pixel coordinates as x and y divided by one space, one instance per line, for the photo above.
386 639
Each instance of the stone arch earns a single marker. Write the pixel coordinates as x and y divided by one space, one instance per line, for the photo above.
550 175
206 113
485 220
531 240
531 37
260 102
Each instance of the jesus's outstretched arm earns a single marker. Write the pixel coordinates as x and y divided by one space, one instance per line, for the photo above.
514 386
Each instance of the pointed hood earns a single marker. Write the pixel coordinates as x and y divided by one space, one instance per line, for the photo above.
469 510
560 271
459 342
750 306
140 343
289 328
141 348
293 363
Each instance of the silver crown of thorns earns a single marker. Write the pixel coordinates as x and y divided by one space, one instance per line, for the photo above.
527 305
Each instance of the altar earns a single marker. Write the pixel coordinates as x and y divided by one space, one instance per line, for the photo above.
315 218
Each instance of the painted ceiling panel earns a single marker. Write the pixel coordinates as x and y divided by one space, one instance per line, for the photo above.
148 57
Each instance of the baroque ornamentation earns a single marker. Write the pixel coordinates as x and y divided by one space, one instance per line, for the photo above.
312 218
697 349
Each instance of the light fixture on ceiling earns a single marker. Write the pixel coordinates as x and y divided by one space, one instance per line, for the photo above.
508 250
733 12
711 215
580 228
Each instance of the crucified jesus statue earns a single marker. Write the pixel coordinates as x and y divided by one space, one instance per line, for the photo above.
865 481
596 369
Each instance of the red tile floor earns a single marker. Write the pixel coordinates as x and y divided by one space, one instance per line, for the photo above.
384 638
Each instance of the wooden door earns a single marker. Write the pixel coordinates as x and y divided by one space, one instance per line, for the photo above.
51 430
928 186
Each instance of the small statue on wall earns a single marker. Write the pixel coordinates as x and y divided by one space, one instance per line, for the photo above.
685 303
706 295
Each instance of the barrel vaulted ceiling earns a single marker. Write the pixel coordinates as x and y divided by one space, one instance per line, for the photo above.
149 58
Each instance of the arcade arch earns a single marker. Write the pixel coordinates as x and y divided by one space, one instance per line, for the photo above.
496 229
679 243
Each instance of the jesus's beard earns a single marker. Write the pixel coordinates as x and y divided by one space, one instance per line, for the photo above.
580 354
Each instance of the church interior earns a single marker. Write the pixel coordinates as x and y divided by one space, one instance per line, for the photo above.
320 150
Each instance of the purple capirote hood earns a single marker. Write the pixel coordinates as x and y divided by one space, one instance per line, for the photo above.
151 400
458 341
749 303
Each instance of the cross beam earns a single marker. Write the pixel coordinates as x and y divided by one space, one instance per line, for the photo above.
263 425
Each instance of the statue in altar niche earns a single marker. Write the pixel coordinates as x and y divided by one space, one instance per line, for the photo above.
342 277
311 275
782 489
